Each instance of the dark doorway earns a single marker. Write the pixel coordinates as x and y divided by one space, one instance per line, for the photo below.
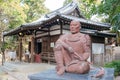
38 47
29 47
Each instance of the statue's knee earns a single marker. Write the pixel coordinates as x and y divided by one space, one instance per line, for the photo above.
58 48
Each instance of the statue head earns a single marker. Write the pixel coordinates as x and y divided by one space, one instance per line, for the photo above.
75 26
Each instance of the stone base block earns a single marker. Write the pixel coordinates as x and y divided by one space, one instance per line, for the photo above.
51 75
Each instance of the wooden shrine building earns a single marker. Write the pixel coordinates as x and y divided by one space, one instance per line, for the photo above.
45 31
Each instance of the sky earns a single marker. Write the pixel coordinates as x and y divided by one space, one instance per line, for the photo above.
54 4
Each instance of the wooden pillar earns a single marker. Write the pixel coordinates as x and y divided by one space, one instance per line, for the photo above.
32 48
20 48
3 52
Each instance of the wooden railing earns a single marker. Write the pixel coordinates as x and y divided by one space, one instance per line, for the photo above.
48 57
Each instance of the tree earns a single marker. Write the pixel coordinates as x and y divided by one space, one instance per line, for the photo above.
111 8
14 12
36 9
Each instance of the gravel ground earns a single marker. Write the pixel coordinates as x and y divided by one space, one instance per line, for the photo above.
117 78
22 70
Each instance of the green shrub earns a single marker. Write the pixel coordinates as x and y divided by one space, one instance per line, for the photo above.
114 64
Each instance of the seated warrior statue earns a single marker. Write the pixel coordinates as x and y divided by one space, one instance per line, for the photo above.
72 51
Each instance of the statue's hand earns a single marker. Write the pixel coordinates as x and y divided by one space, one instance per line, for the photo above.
70 50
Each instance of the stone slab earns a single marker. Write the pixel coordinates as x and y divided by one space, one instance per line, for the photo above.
51 75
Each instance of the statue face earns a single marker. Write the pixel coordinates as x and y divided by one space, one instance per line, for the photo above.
74 27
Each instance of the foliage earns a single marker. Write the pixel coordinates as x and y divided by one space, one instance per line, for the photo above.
36 9
114 64
14 12
112 9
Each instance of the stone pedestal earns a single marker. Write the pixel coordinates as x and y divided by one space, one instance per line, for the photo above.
51 75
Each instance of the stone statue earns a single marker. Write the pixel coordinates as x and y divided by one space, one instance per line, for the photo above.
72 51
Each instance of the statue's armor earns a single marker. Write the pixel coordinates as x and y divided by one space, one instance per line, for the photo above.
80 44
